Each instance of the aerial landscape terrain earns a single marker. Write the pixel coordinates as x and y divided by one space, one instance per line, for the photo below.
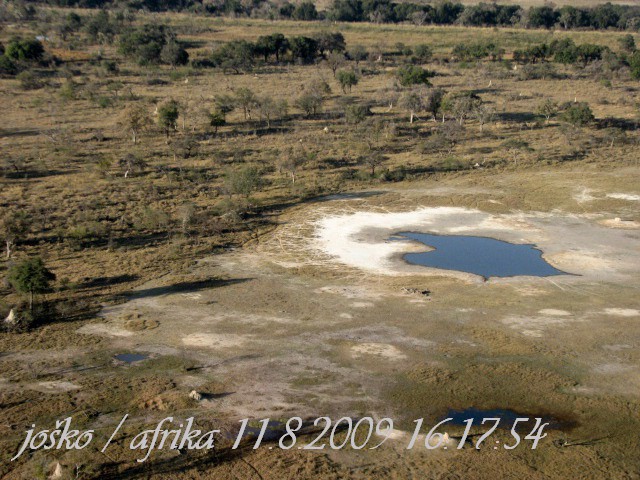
382 226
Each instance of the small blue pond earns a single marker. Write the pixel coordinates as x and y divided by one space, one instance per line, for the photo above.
507 418
483 256
130 357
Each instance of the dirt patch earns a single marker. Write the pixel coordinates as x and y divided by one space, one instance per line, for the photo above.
378 349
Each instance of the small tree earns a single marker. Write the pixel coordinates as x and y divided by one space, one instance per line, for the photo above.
271 109
136 119
627 43
243 181
335 60
634 64
346 79
461 105
516 147
412 102
358 54
433 101
174 54
13 226
483 113
373 159
311 100
131 162
548 109
413 75
423 53
291 161
31 277
217 119
246 100
168 116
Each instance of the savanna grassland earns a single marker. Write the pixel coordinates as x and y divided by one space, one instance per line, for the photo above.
124 175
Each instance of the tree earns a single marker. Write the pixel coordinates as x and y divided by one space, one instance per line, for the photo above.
423 53
330 42
355 113
515 147
168 116
246 100
31 277
275 44
346 11
335 60
412 102
461 105
433 101
542 17
548 109
634 64
346 79
13 226
174 54
303 49
270 109
243 181
627 43
136 119
217 119
145 43
413 75
7 66
291 161
305 11
224 103
131 162
24 50
236 55
483 113
373 159
311 100
358 54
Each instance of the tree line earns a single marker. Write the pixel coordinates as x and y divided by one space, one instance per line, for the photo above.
600 17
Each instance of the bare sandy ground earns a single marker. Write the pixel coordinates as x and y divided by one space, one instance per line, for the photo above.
322 317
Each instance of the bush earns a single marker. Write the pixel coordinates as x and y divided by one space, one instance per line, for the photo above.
25 50
413 75
634 65
236 55
356 113
7 66
423 53
243 181
578 114
29 80
347 79
146 43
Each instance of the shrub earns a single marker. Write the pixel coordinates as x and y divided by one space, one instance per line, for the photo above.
29 80
7 66
423 53
413 75
578 114
356 113
25 50
347 79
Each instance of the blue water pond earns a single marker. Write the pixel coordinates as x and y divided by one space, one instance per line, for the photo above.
483 256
